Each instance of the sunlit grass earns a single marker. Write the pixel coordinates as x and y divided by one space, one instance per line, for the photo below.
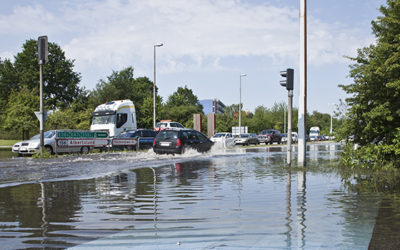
8 142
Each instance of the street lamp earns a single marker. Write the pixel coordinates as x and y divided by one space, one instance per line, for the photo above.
240 103
154 86
331 129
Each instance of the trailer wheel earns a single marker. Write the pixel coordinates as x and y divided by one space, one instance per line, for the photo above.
84 150
49 149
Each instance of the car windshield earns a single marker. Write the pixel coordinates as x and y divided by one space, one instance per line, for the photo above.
103 119
126 134
168 134
161 125
218 135
47 134
244 136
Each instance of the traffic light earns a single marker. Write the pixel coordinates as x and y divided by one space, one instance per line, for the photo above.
288 83
42 49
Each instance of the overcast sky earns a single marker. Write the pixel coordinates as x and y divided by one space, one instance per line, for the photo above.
207 43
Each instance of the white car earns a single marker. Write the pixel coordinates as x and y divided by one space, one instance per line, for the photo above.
224 137
168 124
32 146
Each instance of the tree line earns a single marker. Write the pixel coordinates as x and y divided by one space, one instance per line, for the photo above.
73 104
373 115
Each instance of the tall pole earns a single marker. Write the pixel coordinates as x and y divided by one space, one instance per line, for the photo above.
240 103
289 132
301 158
41 120
154 86
284 120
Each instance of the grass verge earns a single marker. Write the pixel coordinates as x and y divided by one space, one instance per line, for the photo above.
8 143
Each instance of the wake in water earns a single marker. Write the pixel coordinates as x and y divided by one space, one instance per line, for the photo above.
71 167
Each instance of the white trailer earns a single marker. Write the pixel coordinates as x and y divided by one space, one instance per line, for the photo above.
114 117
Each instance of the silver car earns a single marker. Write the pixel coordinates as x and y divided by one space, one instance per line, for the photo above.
32 146
246 139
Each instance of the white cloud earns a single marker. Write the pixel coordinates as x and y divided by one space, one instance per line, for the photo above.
197 34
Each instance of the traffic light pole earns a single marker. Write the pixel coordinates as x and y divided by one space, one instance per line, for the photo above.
289 132
41 121
42 59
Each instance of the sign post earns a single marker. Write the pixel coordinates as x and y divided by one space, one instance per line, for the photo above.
42 58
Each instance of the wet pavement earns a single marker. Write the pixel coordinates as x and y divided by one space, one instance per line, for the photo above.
224 199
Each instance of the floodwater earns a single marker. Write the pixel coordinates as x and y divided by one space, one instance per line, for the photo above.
225 199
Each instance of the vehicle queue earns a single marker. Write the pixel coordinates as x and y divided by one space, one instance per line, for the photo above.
114 127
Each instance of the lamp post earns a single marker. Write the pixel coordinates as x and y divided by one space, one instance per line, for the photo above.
154 86
240 103
331 129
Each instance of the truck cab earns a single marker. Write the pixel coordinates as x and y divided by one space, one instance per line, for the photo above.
114 117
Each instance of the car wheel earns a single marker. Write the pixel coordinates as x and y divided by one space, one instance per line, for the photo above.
84 150
49 149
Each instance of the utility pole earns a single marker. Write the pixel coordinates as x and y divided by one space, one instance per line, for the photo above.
301 156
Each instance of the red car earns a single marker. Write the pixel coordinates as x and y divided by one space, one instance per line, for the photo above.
270 136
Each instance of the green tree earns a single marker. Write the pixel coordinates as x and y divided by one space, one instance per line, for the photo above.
60 81
20 112
181 106
317 119
122 85
374 105
8 81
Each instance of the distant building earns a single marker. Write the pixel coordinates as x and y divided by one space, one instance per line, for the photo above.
212 106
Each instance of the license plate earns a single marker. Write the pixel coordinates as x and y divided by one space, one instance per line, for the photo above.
165 144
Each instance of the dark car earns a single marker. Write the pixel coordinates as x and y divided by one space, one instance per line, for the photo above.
145 137
177 141
271 136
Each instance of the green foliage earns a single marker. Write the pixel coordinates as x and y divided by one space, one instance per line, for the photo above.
60 81
69 119
20 111
374 105
181 106
8 81
320 120
121 85
19 84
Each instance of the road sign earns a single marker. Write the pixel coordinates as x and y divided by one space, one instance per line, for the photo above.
45 114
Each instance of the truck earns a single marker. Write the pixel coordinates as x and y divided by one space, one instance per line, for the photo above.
114 117
314 133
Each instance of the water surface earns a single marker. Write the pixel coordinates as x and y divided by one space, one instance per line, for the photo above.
224 199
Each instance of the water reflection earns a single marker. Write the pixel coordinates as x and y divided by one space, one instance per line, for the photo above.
234 201
301 208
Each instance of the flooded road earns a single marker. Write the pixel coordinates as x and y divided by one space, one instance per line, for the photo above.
224 199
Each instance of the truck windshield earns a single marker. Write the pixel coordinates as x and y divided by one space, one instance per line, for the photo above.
103 119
